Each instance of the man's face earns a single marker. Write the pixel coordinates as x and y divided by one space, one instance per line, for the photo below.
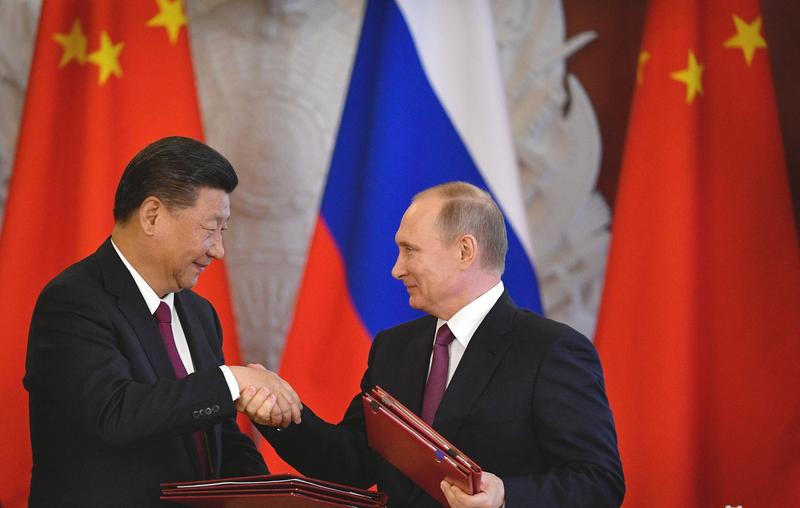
427 266
190 238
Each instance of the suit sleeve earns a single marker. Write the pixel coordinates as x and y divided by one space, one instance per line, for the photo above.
575 430
78 364
337 453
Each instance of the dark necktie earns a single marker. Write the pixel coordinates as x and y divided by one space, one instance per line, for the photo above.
437 379
163 317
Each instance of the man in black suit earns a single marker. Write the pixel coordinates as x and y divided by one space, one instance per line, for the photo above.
524 395
122 400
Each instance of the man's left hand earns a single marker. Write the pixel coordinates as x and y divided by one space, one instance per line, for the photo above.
491 495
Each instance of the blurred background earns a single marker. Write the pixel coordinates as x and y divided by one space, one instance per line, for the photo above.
272 78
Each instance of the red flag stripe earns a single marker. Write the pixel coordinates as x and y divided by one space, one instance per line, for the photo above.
327 347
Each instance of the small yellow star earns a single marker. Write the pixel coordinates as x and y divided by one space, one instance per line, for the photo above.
107 58
171 17
74 44
748 38
644 56
692 76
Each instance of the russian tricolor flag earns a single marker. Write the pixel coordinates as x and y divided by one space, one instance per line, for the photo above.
425 106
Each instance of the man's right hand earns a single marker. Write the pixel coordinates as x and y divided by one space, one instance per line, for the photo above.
266 398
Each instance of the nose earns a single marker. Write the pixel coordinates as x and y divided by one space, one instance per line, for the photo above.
217 249
398 270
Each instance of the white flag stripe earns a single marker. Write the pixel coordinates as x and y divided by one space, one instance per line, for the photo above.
456 44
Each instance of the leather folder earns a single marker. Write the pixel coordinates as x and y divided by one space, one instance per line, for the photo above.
413 447
278 491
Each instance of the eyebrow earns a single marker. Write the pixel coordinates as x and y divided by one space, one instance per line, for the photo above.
407 244
219 220
218 217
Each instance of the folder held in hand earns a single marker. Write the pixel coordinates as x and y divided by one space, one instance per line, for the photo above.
413 447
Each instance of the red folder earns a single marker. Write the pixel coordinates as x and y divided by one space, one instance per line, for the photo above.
279 491
413 447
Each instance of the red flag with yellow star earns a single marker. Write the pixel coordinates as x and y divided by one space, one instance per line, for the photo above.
699 329
107 78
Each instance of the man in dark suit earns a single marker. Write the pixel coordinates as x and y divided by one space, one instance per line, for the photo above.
128 387
524 395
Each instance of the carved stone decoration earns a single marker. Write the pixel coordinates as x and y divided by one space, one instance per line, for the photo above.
272 78
558 149
18 22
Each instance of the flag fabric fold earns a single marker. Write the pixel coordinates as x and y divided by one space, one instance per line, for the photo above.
425 106
106 79
699 323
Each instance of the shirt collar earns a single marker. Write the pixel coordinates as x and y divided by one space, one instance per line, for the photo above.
464 322
150 297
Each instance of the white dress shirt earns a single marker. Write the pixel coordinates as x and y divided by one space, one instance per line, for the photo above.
464 323
152 300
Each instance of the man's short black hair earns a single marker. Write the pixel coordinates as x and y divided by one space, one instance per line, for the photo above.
172 169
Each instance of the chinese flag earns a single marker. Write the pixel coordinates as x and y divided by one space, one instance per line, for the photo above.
107 78
699 329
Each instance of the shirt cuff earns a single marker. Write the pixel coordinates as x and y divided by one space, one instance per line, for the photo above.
233 386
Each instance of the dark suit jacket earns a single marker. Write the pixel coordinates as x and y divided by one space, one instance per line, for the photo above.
527 403
108 420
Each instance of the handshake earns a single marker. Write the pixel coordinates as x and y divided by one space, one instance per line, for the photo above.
266 398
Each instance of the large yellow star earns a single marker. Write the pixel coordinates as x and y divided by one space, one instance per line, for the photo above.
74 44
107 58
748 38
692 76
644 56
171 17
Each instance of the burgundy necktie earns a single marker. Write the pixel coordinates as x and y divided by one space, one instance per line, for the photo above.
163 317
437 379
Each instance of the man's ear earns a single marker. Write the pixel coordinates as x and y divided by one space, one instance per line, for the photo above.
149 212
467 250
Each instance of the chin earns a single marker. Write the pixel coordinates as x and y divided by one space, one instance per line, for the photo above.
415 305
188 283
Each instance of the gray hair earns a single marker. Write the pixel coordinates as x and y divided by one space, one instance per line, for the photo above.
471 210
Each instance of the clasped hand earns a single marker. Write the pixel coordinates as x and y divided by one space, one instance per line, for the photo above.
265 397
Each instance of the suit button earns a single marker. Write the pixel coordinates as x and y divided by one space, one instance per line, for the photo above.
195 414
207 411
215 408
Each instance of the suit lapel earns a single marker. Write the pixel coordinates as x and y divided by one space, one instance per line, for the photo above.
416 363
477 366
202 358
408 386
119 282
